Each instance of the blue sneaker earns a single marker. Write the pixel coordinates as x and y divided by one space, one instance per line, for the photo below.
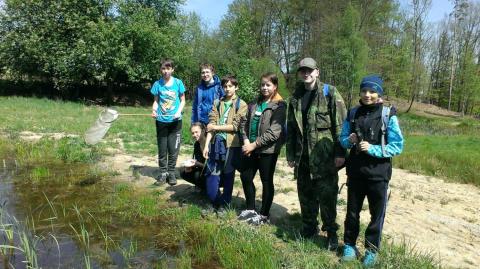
370 259
349 253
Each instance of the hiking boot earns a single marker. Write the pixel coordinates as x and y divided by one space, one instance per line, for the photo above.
207 211
221 212
309 232
257 220
370 259
349 253
332 240
171 179
246 214
161 179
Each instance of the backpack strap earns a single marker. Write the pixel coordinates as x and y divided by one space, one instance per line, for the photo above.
385 119
237 104
325 89
216 103
351 115
330 107
353 126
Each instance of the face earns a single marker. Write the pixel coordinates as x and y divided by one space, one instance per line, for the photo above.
206 74
230 89
196 132
308 75
368 96
267 88
167 71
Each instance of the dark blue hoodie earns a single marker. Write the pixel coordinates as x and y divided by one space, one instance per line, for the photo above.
204 98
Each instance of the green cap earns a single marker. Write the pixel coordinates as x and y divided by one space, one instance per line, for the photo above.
307 62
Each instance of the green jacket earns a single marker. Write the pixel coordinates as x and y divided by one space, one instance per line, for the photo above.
325 118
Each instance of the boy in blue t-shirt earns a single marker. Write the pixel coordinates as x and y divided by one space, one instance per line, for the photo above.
169 100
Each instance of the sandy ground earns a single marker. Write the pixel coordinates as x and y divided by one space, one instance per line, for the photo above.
430 215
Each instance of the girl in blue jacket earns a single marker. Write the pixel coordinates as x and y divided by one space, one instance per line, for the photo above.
209 90
373 142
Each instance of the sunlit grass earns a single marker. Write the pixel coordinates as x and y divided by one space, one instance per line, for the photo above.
442 147
193 240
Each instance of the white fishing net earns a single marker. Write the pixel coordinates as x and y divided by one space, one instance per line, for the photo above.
99 129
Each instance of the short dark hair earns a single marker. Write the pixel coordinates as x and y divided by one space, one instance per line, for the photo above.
167 63
207 66
230 78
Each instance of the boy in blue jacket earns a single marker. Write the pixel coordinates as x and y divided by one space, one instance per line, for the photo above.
372 141
209 90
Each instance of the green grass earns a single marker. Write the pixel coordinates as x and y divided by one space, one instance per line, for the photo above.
442 147
451 157
192 240
137 133
69 150
438 146
416 125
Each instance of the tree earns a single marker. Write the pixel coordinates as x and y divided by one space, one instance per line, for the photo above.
420 8
458 13
351 52
86 42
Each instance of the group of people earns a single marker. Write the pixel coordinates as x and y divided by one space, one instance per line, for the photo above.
321 137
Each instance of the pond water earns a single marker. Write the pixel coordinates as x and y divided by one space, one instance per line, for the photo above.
52 215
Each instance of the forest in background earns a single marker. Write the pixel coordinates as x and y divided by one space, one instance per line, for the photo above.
108 46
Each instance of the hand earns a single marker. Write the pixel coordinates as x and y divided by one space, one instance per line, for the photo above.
154 114
364 146
291 164
339 162
211 127
177 115
249 148
189 163
205 152
353 138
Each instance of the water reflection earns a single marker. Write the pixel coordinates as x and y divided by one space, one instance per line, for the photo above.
52 216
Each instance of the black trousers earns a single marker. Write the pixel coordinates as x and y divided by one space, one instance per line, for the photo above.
265 163
168 142
376 193
194 176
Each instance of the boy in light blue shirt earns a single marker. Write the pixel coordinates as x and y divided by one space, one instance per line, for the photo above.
168 104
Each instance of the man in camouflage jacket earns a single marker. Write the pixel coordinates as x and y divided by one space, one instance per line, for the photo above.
315 115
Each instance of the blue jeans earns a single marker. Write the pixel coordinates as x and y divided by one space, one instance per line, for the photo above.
223 172
213 188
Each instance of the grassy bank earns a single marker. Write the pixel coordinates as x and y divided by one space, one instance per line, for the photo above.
437 146
442 147
192 240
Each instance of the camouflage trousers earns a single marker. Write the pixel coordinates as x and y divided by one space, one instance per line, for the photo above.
317 193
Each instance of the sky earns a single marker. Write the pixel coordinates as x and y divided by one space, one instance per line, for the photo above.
212 11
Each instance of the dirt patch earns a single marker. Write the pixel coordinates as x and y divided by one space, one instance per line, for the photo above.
422 109
31 136
433 216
